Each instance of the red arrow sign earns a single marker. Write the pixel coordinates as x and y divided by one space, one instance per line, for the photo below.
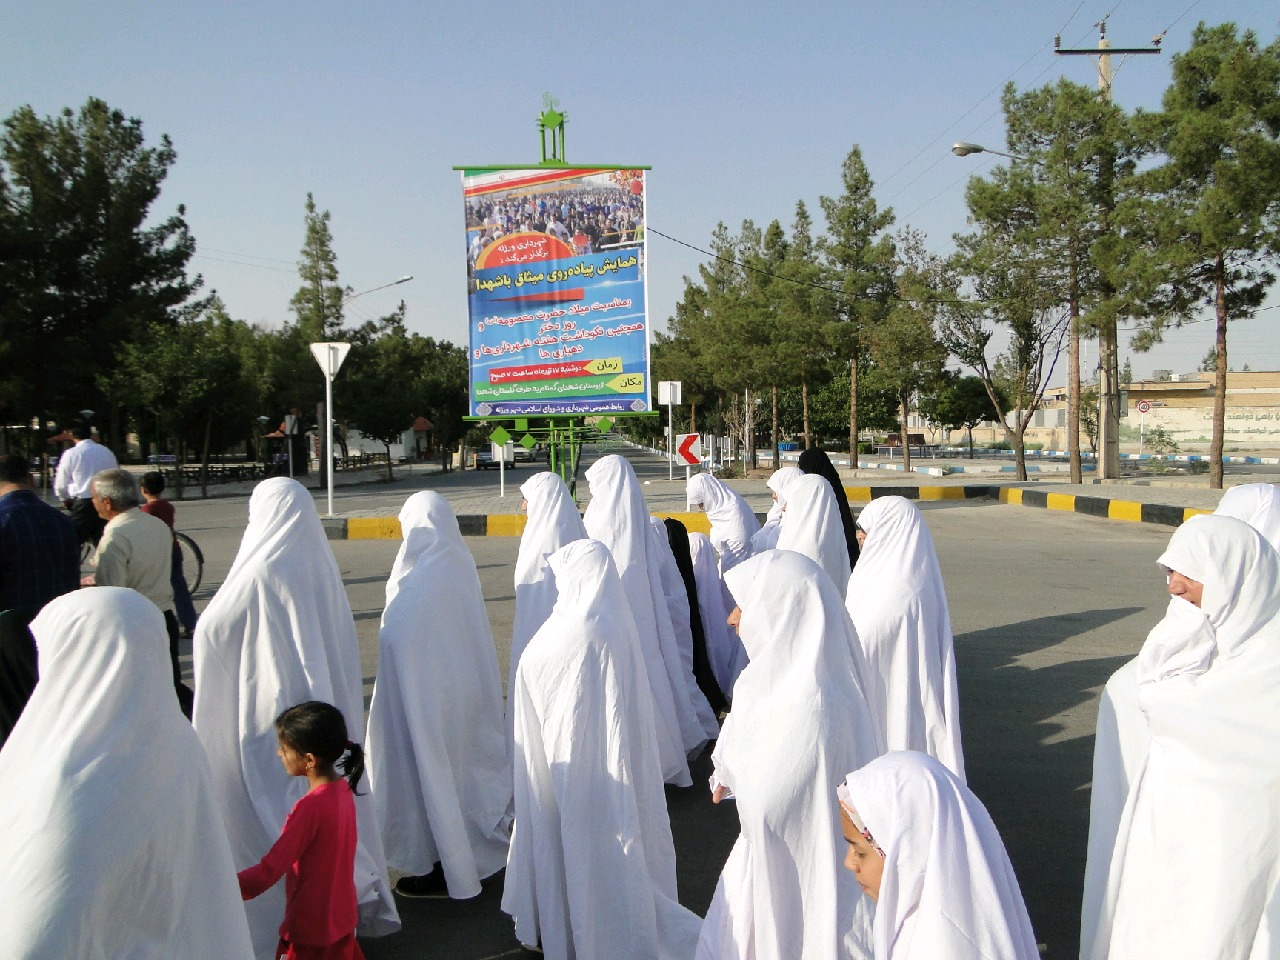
688 449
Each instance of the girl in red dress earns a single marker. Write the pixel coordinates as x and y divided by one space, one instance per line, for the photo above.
316 850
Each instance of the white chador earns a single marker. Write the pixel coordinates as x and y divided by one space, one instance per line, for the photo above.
947 889
811 525
112 845
899 608
799 723
766 538
616 516
552 521
724 646
1258 505
279 632
591 873
439 770
677 600
733 523
1192 870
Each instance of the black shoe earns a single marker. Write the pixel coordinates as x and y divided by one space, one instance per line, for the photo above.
532 949
430 886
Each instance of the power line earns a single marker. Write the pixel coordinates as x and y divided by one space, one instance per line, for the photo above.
239 263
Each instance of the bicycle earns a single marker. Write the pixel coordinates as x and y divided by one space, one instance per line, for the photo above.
192 559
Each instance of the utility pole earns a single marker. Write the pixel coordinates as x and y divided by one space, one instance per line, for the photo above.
1108 345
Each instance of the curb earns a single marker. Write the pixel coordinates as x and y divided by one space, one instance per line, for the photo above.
512 524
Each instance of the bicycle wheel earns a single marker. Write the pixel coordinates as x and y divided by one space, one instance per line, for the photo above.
192 561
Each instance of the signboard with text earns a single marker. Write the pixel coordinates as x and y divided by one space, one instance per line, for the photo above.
556 291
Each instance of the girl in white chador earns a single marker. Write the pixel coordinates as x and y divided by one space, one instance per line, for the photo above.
923 847
799 722
1186 863
618 518
811 525
591 874
438 764
112 844
278 632
766 538
733 523
552 521
724 646
1258 505
899 607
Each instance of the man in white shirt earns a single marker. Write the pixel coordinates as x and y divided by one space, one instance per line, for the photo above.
71 484
136 551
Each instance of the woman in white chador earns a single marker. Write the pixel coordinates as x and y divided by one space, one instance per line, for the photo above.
924 848
724 646
1193 857
591 874
1258 505
799 723
899 607
811 525
279 632
439 770
766 538
552 521
733 523
617 517
112 844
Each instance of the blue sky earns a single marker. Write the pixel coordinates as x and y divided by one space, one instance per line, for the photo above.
740 109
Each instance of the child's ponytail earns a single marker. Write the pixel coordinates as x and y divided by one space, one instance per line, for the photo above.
352 765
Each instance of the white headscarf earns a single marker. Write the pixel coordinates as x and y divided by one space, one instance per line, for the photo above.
899 606
592 866
617 517
1194 868
766 538
811 525
724 647
677 601
112 845
947 887
732 522
279 632
1258 505
553 521
799 718
438 765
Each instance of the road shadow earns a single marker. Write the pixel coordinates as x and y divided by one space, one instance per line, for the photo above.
1034 784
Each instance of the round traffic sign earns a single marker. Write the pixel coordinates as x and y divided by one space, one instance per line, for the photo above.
1144 406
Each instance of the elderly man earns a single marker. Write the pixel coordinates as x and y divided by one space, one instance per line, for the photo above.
76 469
39 560
136 551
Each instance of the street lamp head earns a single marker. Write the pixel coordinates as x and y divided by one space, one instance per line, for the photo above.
86 414
405 279
964 149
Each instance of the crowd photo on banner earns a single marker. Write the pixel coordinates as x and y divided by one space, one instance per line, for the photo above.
806 661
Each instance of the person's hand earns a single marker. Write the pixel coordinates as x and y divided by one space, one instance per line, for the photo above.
718 794
88 581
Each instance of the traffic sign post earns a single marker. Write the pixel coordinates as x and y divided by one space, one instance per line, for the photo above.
1144 406
330 357
669 394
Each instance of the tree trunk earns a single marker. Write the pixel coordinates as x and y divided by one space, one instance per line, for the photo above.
1020 451
804 405
970 443
853 409
1220 379
180 461
776 452
693 416
204 470
1073 381
391 474
903 400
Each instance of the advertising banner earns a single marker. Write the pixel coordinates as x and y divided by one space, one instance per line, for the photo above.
556 291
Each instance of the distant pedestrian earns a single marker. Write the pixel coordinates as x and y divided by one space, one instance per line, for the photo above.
733 523
152 484
816 461
39 560
811 526
71 483
316 850
766 538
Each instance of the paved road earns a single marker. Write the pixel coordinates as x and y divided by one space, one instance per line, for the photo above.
1044 606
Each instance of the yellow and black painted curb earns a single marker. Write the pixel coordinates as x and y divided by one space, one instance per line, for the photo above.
512 524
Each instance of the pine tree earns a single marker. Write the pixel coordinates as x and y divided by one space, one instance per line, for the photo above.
317 306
